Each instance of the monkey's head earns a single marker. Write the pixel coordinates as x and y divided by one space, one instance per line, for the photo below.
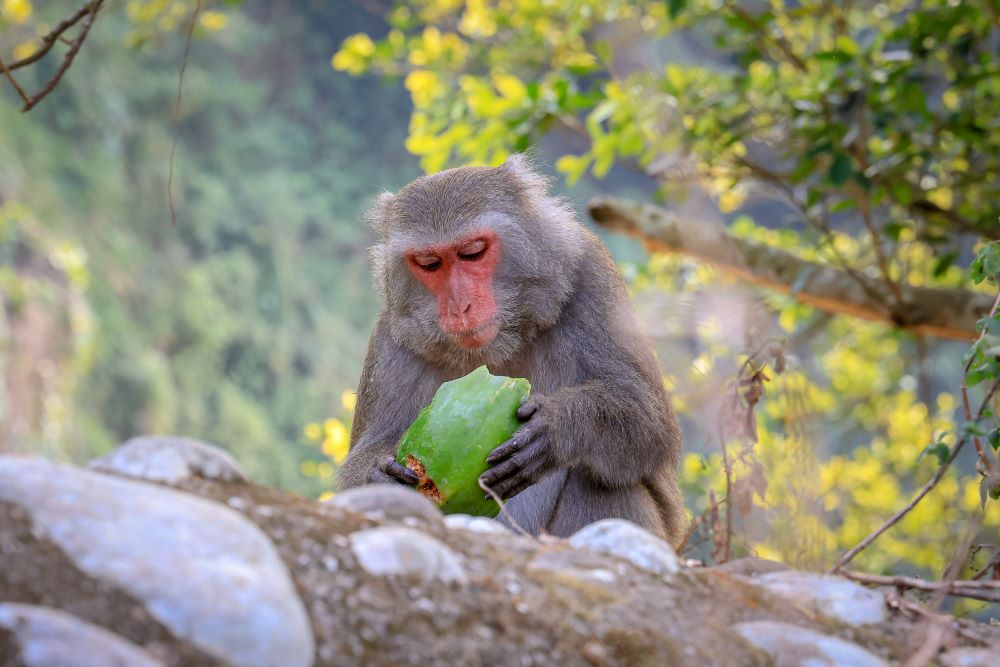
474 261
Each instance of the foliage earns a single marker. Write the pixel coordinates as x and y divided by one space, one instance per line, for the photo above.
860 135
248 318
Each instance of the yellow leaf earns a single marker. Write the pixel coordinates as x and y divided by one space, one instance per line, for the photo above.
18 11
510 86
213 21
950 99
730 200
941 196
760 72
675 76
360 44
348 399
23 50
477 20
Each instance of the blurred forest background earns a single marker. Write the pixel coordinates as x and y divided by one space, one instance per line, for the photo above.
829 177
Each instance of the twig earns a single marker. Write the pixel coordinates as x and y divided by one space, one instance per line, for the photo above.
177 114
728 467
504 512
68 59
13 82
55 34
697 522
993 565
939 473
987 591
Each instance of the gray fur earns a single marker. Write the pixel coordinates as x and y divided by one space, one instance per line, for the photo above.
566 324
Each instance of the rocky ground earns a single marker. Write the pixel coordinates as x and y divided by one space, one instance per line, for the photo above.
162 553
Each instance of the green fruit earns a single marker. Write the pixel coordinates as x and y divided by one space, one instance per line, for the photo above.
448 443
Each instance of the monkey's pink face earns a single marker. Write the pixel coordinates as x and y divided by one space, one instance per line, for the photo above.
460 275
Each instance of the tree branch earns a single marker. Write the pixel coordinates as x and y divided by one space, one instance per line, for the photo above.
87 14
942 313
987 591
49 40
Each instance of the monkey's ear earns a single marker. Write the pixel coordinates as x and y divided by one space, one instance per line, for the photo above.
377 215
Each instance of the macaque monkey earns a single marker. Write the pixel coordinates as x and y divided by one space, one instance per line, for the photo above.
481 265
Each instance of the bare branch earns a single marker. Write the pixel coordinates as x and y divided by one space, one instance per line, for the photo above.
987 591
10 77
87 14
942 313
49 40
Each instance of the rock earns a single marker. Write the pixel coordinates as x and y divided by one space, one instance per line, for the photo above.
971 657
203 570
626 540
751 566
574 567
169 460
838 598
475 524
51 638
398 551
390 503
791 646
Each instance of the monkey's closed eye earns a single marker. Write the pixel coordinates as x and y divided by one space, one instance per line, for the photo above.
473 251
429 263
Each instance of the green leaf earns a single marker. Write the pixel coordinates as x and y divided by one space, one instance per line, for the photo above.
943 263
893 230
841 169
994 439
674 7
939 450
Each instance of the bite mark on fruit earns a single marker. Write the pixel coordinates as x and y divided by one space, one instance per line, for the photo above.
426 485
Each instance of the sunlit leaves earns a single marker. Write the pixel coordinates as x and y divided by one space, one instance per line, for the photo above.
212 20
354 54
16 11
986 265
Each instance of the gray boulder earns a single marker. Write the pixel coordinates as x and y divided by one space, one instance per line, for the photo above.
203 570
792 646
169 460
51 638
838 598
391 504
626 540
398 551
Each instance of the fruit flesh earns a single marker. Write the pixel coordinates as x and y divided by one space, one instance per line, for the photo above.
448 443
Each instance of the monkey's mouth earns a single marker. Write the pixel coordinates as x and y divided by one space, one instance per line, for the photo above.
478 338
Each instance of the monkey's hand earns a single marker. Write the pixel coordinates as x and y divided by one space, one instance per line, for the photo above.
526 457
387 471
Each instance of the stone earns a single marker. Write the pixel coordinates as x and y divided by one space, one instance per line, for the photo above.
838 598
475 524
750 566
625 540
169 460
389 503
204 571
405 552
573 567
793 646
971 657
52 638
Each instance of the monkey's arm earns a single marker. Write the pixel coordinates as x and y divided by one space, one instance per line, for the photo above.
392 385
613 421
